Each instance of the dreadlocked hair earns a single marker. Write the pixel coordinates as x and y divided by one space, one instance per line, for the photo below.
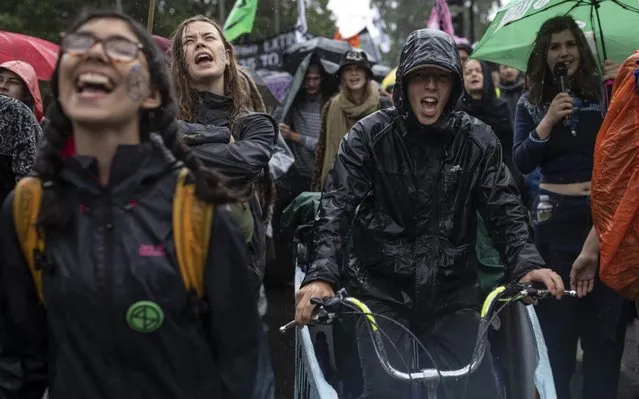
187 95
542 87
50 160
265 186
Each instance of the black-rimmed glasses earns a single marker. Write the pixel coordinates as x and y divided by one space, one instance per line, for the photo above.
118 49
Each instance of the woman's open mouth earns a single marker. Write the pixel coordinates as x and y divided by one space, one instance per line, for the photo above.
92 85
203 58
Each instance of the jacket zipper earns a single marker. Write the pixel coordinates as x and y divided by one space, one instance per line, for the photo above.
435 224
442 158
107 264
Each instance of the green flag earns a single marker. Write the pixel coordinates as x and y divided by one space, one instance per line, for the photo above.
241 19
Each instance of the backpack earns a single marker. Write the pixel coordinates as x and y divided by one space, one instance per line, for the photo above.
192 220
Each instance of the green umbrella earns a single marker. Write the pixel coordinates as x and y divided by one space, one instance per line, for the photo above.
611 27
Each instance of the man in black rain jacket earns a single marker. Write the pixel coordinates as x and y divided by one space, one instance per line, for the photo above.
407 183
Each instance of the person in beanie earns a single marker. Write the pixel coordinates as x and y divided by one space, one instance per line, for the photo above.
358 97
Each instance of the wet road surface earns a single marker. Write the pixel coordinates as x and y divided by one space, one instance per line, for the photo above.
281 311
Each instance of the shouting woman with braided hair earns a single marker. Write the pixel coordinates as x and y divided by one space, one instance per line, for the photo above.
114 319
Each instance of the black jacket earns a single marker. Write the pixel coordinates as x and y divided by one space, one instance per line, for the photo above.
494 112
118 249
409 194
19 132
243 162
511 94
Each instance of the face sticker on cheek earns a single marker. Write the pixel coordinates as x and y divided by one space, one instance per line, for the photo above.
136 84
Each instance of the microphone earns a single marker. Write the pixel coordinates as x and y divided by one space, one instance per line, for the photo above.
561 74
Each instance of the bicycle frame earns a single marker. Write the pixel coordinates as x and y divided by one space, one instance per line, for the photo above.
431 377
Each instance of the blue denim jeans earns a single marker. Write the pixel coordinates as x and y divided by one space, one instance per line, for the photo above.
531 183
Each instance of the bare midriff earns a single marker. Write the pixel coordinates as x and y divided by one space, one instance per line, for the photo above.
582 188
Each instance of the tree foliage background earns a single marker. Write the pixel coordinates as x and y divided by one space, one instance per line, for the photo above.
47 18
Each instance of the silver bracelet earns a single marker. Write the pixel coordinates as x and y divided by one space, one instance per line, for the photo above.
536 140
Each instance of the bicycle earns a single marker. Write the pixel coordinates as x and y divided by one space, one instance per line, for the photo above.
329 309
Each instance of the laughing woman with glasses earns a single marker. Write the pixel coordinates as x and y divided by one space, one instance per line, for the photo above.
113 318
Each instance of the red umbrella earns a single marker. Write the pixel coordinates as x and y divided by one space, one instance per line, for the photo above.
163 43
41 54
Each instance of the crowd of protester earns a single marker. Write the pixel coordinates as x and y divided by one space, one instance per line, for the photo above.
126 118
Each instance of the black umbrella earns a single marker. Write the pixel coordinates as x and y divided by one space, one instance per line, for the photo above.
380 72
327 52
270 101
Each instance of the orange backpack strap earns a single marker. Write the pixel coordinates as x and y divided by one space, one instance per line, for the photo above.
26 209
192 219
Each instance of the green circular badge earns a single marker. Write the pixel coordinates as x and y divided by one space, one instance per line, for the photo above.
145 316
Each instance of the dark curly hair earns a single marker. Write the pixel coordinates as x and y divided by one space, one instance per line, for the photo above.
542 88
49 161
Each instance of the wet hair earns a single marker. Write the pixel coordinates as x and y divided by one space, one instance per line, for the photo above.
254 102
253 98
313 68
187 95
542 88
50 158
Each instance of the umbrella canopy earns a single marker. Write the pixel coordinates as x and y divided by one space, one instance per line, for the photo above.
41 54
380 72
508 38
163 43
278 82
327 51
389 80
270 101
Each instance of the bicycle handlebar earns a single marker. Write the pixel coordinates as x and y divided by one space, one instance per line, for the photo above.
328 310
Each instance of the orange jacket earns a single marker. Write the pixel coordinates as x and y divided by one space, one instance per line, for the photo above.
615 185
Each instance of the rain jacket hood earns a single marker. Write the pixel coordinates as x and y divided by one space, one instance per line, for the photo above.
428 47
490 92
397 219
28 75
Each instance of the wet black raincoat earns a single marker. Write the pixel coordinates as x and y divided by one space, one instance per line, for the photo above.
243 162
409 194
119 250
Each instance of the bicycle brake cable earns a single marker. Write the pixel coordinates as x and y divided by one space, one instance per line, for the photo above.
385 335
483 334
410 333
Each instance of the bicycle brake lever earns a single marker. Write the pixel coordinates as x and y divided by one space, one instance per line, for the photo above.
327 302
287 326
322 315
544 293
